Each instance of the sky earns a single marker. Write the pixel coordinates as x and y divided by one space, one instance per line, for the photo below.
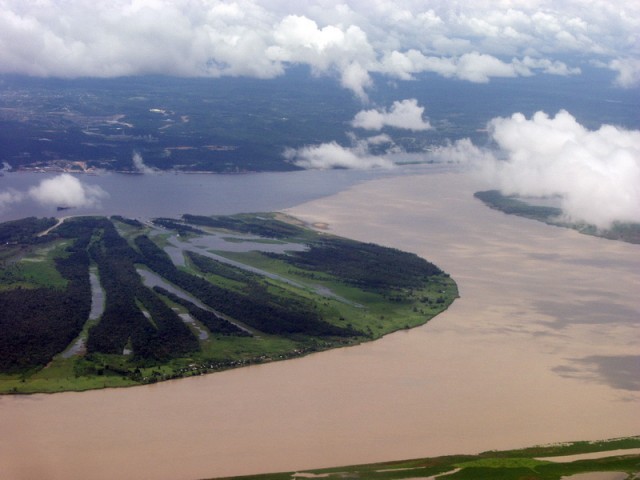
361 42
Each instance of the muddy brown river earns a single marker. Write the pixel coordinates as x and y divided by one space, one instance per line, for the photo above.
541 347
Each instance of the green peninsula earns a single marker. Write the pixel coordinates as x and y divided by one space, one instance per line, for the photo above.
513 205
95 302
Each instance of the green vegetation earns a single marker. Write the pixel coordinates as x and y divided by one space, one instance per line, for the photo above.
36 268
269 227
38 322
626 232
387 268
24 230
210 314
508 465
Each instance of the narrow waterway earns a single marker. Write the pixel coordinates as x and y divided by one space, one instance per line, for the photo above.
79 345
178 247
152 279
541 347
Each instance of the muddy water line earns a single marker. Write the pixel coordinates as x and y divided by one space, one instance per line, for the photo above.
539 348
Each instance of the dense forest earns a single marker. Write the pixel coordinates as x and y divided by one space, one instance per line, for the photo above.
35 324
365 265
165 336
24 230
256 225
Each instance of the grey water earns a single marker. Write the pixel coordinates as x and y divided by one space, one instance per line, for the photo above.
200 244
171 195
226 242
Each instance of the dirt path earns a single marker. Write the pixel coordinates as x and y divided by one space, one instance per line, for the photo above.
48 230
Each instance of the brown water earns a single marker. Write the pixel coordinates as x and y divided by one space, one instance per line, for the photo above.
598 476
541 347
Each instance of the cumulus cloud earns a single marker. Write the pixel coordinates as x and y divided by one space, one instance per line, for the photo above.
462 152
356 78
474 41
405 114
596 173
628 70
140 166
332 155
474 67
527 65
67 191
479 67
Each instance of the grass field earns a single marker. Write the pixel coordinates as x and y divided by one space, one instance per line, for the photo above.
33 268
522 464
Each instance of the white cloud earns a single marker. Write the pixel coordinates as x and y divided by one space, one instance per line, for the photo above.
356 78
332 155
628 71
546 65
405 114
462 152
9 197
596 173
382 139
67 191
473 41
474 67
140 166
479 67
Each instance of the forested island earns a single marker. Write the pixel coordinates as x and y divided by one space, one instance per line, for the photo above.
94 302
513 205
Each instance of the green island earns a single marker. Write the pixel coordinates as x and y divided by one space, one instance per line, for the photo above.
95 302
512 205
604 460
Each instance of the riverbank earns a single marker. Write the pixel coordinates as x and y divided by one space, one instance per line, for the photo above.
604 461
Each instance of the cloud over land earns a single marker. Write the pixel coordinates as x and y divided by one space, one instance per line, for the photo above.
140 166
332 155
405 114
596 173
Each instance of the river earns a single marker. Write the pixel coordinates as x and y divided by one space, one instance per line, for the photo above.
541 347
171 195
